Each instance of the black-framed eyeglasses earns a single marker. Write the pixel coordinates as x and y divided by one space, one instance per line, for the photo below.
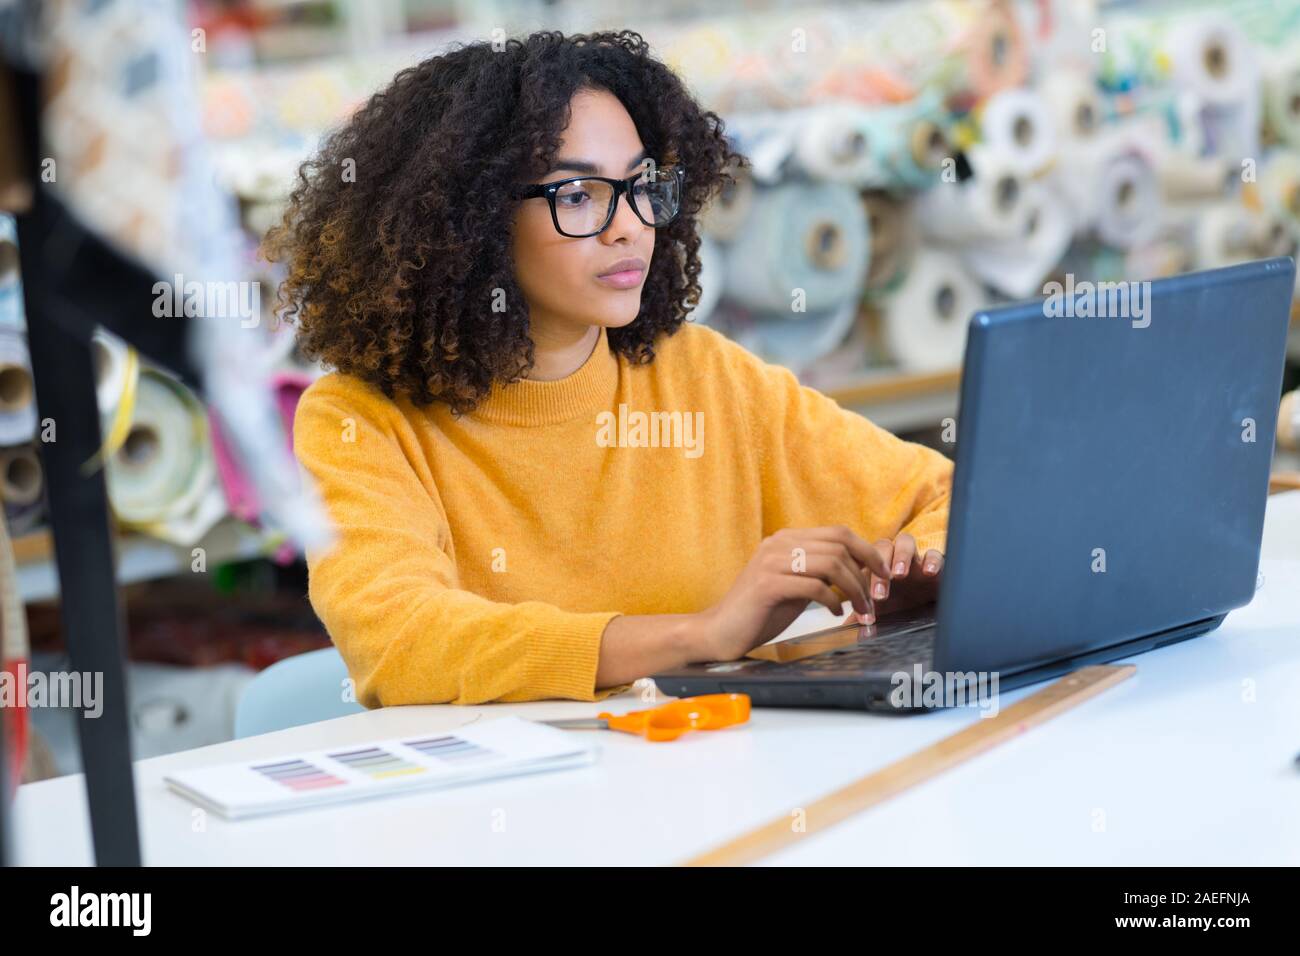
584 205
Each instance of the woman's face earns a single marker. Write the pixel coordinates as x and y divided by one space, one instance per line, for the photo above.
586 282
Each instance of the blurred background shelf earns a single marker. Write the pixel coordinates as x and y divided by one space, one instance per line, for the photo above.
901 401
139 557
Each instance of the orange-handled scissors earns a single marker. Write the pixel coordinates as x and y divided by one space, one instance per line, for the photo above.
669 721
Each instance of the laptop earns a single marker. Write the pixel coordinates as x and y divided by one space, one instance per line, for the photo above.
1113 451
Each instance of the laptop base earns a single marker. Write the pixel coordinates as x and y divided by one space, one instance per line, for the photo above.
778 685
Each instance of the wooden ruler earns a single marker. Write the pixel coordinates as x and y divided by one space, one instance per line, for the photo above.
862 794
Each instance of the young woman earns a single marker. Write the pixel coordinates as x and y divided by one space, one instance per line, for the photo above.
545 482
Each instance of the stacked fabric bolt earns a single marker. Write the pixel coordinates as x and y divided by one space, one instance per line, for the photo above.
900 174
990 150
22 484
123 130
169 469
924 158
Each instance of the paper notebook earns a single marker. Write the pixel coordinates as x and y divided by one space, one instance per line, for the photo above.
505 747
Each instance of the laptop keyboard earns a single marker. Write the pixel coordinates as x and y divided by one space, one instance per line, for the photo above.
884 652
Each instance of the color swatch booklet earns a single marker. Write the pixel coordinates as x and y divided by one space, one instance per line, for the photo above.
505 747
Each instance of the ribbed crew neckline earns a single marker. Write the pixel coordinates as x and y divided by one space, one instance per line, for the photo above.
585 391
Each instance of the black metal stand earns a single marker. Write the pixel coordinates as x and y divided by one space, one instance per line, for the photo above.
91 616
73 280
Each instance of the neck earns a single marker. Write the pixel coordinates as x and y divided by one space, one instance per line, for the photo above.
586 389
560 351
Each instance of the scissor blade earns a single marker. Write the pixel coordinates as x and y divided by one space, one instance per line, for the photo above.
579 723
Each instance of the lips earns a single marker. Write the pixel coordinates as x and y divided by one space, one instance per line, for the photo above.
624 274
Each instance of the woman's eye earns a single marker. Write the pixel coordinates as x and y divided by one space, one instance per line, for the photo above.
576 198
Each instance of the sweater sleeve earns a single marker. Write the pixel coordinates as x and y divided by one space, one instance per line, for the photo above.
387 588
822 464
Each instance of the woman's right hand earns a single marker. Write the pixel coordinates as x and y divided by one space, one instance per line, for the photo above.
791 568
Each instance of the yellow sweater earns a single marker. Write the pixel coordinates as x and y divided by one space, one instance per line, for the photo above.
479 559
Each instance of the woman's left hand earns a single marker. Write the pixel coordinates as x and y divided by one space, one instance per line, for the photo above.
914 578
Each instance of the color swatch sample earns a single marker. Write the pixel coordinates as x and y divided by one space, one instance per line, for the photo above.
478 752
298 775
449 748
376 762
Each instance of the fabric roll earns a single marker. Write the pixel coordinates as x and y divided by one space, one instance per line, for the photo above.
1129 195
889 146
162 480
1279 184
1075 104
726 215
22 487
238 489
240 495
1226 233
11 292
971 50
1017 267
923 322
1275 235
1188 178
117 371
990 204
117 377
885 147
798 340
805 244
1282 96
8 252
918 144
842 144
1211 59
890 228
11 309
1113 189
17 389
767 139
993 50
1019 125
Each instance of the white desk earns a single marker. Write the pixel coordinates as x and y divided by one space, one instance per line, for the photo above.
1174 766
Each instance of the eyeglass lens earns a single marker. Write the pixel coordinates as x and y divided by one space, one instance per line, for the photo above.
583 206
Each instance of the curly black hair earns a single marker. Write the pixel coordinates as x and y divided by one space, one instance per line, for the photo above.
391 276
